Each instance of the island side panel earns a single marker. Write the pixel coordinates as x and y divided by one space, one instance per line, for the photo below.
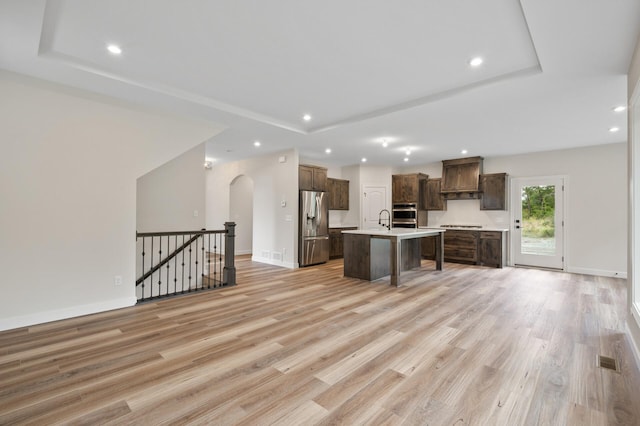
380 258
365 258
440 251
411 253
357 256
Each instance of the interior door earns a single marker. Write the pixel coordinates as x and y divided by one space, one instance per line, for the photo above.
374 200
537 235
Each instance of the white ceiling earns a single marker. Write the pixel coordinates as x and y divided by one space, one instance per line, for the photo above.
366 70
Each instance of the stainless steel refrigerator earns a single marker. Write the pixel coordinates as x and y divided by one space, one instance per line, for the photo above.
314 228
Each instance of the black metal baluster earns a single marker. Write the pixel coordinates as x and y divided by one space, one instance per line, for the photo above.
198 287
190 245
151 268
159 261
202 257
182 281
209 262
175 266
221 236
143 253
215 261
168 264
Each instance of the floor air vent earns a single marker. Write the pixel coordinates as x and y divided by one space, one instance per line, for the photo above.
608 363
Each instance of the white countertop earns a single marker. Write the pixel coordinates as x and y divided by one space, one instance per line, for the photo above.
484 228
398 232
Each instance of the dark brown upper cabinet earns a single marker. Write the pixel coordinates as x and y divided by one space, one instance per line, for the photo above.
461 177
406 188
433 199
312 178
494 194
338 194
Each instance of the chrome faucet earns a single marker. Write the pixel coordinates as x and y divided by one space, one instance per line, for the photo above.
388 219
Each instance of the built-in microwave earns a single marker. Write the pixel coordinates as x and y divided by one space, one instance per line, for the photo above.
405 215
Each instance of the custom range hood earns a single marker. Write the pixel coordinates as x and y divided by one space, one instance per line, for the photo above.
461 178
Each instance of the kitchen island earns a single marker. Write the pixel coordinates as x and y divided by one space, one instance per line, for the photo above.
370 254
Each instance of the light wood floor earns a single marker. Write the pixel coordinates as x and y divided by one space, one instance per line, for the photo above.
468 345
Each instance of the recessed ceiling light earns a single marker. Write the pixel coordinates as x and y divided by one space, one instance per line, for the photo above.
408 152
619 108
306 117
115 49
406 159
328 150
476 62
614 129
364 160
257 143
464 151
384 143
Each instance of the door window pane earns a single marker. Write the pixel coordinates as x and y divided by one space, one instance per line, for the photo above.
538 227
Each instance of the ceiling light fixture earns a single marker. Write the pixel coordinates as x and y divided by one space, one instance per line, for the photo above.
257 144
384 143
406 159
619 108
306 117
464 151
328 150
208 165
408 152
614 129
476 62
364 160
115 49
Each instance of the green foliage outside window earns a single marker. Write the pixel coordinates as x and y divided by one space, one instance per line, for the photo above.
538 208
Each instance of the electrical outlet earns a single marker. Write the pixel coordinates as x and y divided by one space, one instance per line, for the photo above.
117 280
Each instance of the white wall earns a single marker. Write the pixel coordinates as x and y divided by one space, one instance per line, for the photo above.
68 168
241 212
169 196
274 237
352 217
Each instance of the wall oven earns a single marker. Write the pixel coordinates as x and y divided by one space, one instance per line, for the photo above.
405 215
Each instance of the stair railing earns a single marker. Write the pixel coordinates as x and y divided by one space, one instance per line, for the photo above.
171 263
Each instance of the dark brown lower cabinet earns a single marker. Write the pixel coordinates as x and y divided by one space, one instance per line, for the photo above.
336 242
485 248
428 245
490 249
461 246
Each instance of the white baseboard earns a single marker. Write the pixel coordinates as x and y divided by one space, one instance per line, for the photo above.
268 261
597 272
635 344
239 252
60 314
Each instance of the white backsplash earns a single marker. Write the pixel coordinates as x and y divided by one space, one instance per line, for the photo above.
467 212
342 218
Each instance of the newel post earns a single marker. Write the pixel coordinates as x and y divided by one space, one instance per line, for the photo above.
229 271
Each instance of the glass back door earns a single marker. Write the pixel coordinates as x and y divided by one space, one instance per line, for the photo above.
538 226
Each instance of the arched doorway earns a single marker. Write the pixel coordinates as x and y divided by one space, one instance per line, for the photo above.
241 212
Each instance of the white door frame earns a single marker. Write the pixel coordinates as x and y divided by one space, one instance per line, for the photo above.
514 232
633 244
